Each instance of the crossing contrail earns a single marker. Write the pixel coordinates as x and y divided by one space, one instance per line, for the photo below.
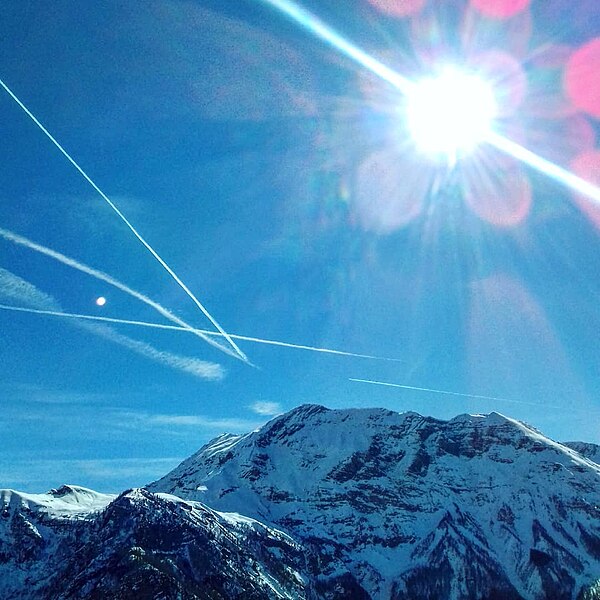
125 220
187 364
14 287
444 392
245 338
71 262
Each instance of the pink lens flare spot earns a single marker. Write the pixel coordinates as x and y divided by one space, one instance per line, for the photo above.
561 140
390 190
582 78
399 8
506 77
500 9
499 194
547 97
587 166
100 301
480 32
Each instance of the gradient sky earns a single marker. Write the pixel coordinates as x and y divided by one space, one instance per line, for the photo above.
275 177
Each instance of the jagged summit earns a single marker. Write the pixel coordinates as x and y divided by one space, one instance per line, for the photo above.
143 546
326 504
67 500
318 436
590 451
388 497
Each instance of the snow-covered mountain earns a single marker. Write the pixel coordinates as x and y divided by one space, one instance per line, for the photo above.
324 504
591 451
73 543
403 506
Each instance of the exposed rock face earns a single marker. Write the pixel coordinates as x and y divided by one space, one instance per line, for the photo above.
590 451
403 506
141 546
374 505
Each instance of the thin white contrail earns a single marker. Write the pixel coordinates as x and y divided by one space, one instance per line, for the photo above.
70 262
14 287
444 392
124 219
323 31
55 313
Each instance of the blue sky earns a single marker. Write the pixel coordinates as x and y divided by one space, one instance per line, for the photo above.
266 169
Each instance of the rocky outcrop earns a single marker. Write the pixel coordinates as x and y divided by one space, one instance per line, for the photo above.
142 546
326 505
480 506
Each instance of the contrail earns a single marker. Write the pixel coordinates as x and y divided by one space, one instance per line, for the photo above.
193 366
70 262
14 287
125 220
55 313
323 31
445 392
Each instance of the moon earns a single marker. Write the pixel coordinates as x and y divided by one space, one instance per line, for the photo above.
100 301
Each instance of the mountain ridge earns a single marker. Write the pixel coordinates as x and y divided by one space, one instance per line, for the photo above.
383 483
324 504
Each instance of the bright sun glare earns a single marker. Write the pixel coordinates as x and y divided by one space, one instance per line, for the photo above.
450 114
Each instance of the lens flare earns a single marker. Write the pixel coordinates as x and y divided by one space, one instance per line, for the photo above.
498 191
500 9
582 78
506 78
514 149
390 190
406 8
451 113
547 97
587 166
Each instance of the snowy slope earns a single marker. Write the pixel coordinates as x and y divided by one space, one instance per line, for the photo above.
67 501
79 544
374 505
405 506
590 451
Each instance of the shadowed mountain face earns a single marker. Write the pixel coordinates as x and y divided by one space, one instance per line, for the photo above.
590 451
337 504
140 546
413 507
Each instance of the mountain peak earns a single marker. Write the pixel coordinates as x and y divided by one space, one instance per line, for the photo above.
64 502
327 504
400 490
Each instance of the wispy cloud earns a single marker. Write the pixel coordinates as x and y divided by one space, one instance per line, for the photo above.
26 392
112 422
105 475
193 366
128 223
83 268
17 289
210 424
267 409
14 288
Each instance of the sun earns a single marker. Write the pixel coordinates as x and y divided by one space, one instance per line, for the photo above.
450 114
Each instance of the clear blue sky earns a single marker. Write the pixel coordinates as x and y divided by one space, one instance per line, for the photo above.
266 168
